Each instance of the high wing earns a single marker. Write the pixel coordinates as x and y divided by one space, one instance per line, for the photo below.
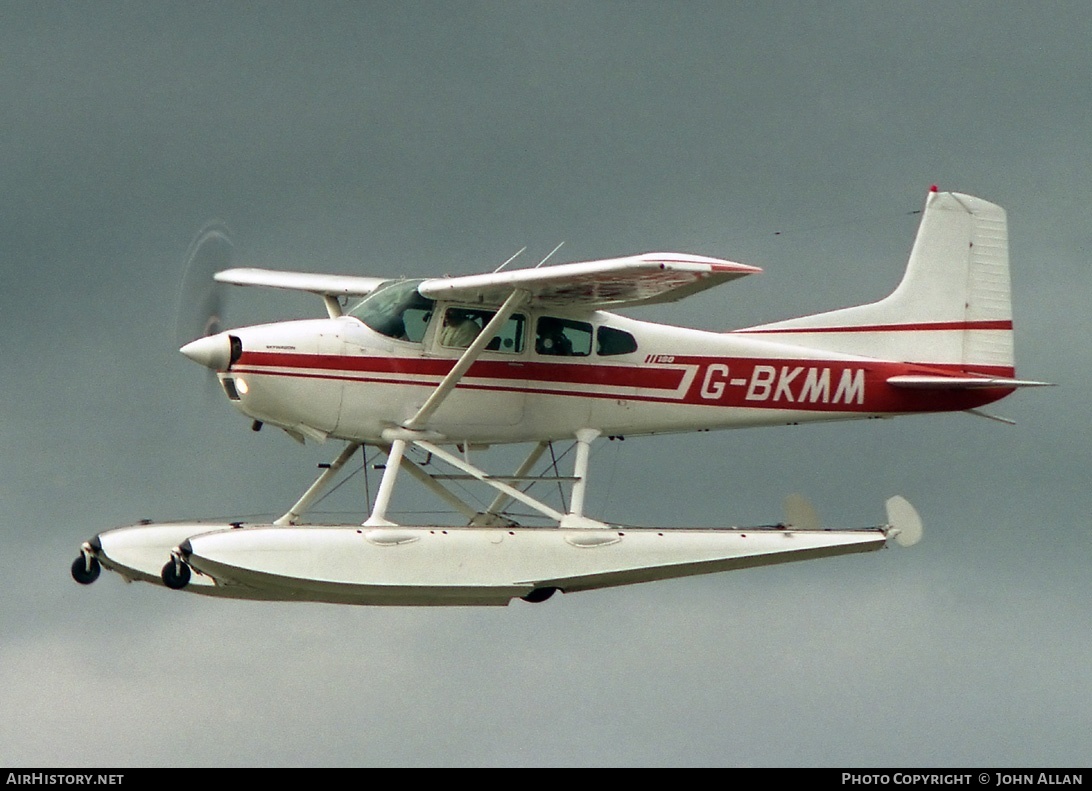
329 287
644 279
323 285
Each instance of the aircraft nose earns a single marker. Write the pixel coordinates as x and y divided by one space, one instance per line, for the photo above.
216 352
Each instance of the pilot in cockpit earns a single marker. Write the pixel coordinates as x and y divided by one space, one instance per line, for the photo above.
459 330
551 338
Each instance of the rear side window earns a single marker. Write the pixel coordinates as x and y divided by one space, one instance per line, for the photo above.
610 341
563 337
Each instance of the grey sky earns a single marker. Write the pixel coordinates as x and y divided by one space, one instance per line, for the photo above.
430 138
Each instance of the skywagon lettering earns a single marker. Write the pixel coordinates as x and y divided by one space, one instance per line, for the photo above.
787 384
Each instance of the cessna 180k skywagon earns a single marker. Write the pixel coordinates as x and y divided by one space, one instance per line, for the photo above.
446 366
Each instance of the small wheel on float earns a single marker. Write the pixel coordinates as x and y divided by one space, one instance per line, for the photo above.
539 595
86 569
176 575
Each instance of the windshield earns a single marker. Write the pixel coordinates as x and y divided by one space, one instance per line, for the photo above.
396 310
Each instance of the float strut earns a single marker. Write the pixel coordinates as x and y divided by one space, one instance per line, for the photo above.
500 502
386 486
316 488
584 439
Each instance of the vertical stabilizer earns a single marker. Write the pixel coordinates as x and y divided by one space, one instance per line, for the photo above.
953 307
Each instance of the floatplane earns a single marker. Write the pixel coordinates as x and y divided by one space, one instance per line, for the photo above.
445 367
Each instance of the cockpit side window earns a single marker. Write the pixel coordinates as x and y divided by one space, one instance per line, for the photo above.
462 325
610 341
396 310
563 337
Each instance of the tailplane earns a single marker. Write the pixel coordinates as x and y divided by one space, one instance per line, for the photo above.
953 308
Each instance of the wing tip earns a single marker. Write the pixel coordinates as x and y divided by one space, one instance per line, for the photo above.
689 259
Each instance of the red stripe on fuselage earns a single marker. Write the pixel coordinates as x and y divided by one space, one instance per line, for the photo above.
564 372
783 384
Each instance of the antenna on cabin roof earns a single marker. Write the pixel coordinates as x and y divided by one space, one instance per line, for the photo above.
510 260
547 258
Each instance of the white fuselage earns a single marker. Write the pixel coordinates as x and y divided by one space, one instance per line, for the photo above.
339 378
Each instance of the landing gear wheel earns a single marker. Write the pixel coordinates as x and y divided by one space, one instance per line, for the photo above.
539 595
175 575
86 569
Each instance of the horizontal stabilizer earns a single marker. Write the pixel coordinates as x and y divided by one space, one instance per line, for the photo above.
923 382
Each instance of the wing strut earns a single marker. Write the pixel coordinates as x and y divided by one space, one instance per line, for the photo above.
447 384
